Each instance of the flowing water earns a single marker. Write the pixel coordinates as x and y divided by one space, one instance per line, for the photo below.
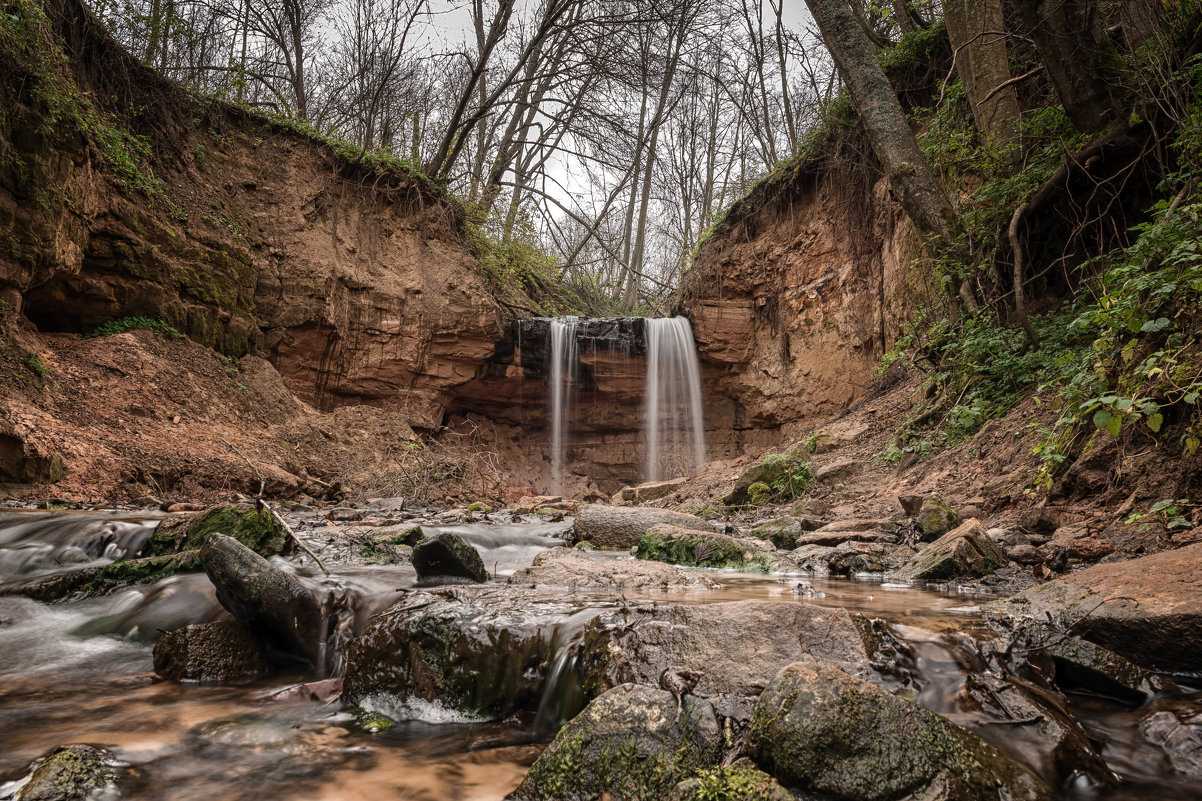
81 672
564 361
675 427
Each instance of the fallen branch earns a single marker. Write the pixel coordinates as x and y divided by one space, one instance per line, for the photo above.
262 504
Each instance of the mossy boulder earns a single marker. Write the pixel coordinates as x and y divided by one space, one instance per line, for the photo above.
934 519
677 546
821 731
621 527
103 579
72 773
963 552
782 532
739 782
448 555
785 474
211 653
256 528
631 743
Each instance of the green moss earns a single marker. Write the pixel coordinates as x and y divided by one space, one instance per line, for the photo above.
476 506
739 782
759 493
159 325
411 536
702 550
373 722
257 529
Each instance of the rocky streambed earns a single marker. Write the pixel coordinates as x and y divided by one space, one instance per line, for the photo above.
393 653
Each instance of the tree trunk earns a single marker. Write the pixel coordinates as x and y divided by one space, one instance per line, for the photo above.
977 29
914 183
1079 56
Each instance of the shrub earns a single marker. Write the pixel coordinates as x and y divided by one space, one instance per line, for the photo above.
159 325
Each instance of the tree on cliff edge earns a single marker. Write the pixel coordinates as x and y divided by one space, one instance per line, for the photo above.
914 183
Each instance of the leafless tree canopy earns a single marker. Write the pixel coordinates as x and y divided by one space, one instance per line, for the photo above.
610 134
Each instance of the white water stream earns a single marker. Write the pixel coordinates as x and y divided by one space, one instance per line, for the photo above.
675 425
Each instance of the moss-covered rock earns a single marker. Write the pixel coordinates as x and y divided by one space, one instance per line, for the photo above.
782 532
679 546
71 773
935 518
222 652
785 474
963 552
257 529
631 743
821 731
621 527
102 579
739 782
448 555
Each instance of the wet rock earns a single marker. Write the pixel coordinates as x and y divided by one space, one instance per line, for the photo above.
821 731
857 530
478 649
221 652
679 546
738 647
1078 663
621 527
102 579
782 532
345 515
651 491
850 558
530 504
742 781
1178 732
1148 610
1040 732
73 773
272 602
963 552
448 555
257 529
1024 554
934 519
631 743
565 567
812 558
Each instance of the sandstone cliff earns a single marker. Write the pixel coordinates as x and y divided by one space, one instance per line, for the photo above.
798 293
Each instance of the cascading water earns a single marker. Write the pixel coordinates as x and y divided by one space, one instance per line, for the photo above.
675 430
564 356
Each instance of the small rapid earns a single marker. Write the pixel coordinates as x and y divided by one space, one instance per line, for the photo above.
80 671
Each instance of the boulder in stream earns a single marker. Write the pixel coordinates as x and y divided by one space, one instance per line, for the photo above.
101 579
963 552
823 732
1148 609
221 652
631 743
934 519
692 548
567 567
256 528
621 527
72 773
274 604
448 555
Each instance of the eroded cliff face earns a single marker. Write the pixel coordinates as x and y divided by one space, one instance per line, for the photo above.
794 300
248 236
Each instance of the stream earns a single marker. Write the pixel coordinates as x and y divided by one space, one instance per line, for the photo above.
80 672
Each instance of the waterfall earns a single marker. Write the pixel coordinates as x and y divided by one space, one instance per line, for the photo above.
675 432
564 356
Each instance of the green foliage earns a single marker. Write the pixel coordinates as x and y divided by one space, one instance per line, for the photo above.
477 506
734 783
914 49
160 325
36 364
790 475
1168 513
30 50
